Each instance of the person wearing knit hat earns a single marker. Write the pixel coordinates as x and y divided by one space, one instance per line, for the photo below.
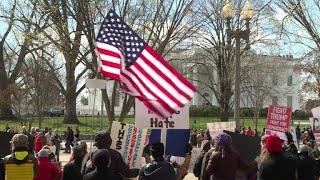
20 160
224 161
278 164
47 169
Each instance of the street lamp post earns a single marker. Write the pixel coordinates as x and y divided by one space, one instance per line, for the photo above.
237 34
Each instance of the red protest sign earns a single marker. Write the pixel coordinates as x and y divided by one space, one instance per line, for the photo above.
278 120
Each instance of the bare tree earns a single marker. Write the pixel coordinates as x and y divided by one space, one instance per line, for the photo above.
14 46
301 25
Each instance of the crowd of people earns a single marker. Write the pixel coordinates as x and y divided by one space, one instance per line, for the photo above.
35 155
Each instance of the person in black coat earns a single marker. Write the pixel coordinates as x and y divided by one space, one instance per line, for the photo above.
69 140
102 170
198 164
280 165
306 165
72 170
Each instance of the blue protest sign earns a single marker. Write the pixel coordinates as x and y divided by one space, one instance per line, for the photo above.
174 140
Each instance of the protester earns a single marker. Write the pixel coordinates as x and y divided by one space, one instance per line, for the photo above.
77 135
298 134
200 138
7 128
48 136
102 170
279 165
206 158
47 170
193 138
72 170
243 130
56 141
249 132
198 164
306 165
158 168
20 160
224 162
69 140
208 136
117 164
38 142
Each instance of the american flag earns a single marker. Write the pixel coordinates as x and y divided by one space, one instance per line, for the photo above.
142 72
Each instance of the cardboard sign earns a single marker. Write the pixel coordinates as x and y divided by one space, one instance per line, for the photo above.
96 83
174 140
248 147
278 121
218 127
129 141
144 118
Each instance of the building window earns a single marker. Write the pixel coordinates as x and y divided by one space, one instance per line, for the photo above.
289 81
289 101
274 100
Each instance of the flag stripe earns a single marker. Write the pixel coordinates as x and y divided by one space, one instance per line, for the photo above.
111 64
150 80
133 86
146 89
182 83
110 75
162 80
112 59
105 48
135 68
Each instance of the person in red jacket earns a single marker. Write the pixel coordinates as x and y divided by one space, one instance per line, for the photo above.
38 142
46 169
250 132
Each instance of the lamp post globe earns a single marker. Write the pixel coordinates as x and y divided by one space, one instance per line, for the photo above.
247 11
227 10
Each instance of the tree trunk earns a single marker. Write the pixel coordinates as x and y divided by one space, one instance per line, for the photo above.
70 116
5 107
224 112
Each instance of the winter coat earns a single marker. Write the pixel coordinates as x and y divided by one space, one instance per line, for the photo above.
72 170
306 167
47 170
102 175
38 143
198 165
224 168
279 166
157 171
117 164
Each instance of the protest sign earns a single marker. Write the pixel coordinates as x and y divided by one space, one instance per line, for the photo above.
218 127
144 118
294 136
249 147
96 83
129 141
315 124
278 121
5 139
174 140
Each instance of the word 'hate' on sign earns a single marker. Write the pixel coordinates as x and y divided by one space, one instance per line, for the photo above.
156 123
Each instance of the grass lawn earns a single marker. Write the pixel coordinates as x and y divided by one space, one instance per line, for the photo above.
89 125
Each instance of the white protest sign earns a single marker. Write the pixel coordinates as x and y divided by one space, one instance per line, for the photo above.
315 124
129 141
96 83
144 118
218 127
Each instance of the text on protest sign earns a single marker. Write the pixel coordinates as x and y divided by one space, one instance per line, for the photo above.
144 118
129 141
278 121
315 124
218 127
